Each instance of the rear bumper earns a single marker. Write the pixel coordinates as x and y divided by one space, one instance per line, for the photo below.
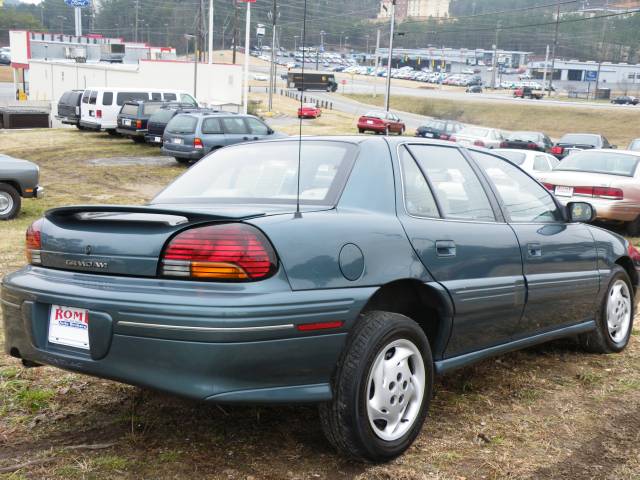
372 128
188 154
208 342
131 133
90 125
151 138
68 120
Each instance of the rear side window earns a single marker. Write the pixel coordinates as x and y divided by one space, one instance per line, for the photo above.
85 96
256 127
234 125
156 96
107 98
129 109
456 186
182 124
418 198
211 125
127 96
170 96
540 164
93 97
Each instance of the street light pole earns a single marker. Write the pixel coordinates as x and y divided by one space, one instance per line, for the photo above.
210 32
387 92
272 67
553 54
247 50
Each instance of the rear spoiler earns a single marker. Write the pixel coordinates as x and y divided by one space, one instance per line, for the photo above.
137 213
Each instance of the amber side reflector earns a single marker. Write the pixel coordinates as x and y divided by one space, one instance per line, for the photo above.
308 327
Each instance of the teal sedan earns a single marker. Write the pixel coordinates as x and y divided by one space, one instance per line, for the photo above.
350 282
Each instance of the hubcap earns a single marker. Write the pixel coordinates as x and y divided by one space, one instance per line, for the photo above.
618 311
6 203
395 389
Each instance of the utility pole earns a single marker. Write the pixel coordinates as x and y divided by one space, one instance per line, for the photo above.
272 67
135 37
235 29
495 57
247 50
544 74
387 93
553 52
375 72
602 49
210 32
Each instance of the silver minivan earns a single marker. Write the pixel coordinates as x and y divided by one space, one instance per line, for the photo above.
190 136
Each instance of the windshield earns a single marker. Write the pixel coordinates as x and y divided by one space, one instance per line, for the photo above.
513 156
524 136
182 124
475 132
580 139
600 162
265 173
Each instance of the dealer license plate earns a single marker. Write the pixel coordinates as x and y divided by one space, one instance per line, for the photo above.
157 139
428 135
562 191
126 122
69 326
178 141
369 122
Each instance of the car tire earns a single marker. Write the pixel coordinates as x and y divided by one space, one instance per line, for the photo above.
138 139
10 202
113 133
633 227
401 132
347 420
614 318
183 161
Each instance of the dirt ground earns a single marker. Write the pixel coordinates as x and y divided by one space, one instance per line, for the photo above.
551 412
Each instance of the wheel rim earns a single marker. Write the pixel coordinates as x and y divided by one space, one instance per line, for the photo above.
395 389
6 203
618 311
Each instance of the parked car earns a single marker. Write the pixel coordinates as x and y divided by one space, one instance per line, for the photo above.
381 122
439 129
607 179
528 141
474 89
533 162
309 110
5 56
100 106
385 263
625 100
160 118
133 117
190 136
528 92
18 179
574 142
479 137
634 145
69 108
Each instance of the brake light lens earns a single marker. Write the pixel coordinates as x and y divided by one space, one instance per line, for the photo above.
444 136
557 150
504 145
479 143
549 186
197 144
138 123
34 243
608 193
532 146
453 139
634 254
231 252
99 113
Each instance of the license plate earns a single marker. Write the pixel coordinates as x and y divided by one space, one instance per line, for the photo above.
564 191
157 139
369 122
177 141
69 326
126 121
428 135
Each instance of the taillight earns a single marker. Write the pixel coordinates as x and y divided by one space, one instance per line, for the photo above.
549 186
504 145
34 242
634 254
453 139
230 251
99 113
608 193
444 136
557 150
532 146
138 124
197 144
479 143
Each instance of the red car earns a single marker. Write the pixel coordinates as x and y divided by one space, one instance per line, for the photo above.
381 122
309 110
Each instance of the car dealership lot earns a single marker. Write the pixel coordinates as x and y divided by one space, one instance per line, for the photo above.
542 413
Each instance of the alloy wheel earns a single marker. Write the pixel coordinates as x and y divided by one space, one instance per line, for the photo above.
618 311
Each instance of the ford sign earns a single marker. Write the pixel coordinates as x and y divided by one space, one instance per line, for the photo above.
78 3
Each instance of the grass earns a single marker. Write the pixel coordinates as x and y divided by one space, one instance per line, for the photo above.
619 126
548 412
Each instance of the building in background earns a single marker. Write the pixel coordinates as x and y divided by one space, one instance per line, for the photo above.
416 9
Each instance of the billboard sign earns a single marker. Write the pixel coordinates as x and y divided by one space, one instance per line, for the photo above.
590 76
78 3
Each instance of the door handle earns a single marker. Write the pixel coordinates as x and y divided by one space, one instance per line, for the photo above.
245 138
534 250
445 248
256 138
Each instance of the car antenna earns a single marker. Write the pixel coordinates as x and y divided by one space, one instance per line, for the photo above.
298 214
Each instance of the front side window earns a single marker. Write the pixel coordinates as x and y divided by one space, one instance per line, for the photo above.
107 98
418 198
256 127
171 97
456 186
186 98
234 125
524 200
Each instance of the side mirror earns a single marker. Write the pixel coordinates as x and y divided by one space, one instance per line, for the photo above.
581 212
270 132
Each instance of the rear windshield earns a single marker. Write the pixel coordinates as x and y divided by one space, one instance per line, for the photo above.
162 116
150 108
436 125
375 115
580 139
600 162
513 156
182 124
524 137
266 173
129 109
